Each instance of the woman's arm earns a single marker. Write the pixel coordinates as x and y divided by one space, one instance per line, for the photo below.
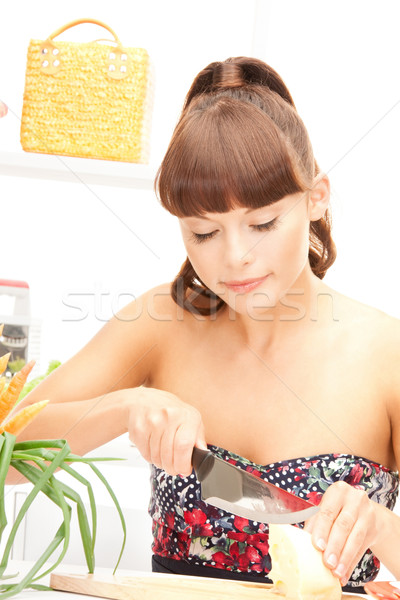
85 424
97 395
119 356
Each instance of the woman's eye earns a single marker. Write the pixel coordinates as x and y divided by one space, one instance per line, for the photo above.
266 226
202 237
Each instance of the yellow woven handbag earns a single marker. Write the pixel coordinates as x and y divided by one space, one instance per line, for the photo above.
87 99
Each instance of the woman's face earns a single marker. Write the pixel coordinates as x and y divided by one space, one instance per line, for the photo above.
268 244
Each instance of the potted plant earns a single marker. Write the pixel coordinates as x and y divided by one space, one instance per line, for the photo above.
37 461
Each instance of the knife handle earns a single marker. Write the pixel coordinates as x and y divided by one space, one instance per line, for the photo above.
202 461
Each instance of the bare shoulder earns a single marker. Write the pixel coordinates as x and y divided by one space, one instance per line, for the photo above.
385 337
361 316
120 355
146 319
156 309
374 329
155 319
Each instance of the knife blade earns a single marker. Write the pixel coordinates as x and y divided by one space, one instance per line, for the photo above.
227 487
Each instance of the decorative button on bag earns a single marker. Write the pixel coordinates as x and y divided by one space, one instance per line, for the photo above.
89 99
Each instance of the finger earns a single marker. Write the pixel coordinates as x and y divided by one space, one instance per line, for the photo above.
155 448
183 448
309 524
324 519
201 438
147 431
162 423
167 450
341 533
345 578
353 550
139 435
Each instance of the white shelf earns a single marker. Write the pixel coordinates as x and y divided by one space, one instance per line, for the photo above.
77 170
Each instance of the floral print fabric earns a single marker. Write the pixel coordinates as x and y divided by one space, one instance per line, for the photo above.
186 528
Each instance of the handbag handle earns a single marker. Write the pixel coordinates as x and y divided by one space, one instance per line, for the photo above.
61 30
119 63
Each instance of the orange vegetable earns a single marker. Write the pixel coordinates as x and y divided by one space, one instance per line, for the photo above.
10 396
4 362
17 423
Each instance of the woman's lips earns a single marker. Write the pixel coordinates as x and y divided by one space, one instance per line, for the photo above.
244 286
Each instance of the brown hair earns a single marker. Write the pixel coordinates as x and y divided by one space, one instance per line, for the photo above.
239 142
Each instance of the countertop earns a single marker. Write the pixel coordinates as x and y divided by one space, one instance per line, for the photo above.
23 566
217 589
205 591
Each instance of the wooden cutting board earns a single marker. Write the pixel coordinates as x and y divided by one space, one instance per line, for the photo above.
160 586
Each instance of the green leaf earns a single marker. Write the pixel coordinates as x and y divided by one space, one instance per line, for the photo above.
32 444
121 516
37 460
8 576
86 536
6 445
248 530
314 472
242 547
62 534
42 480
323 485
40 587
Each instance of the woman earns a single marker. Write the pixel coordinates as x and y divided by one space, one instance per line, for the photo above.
248 351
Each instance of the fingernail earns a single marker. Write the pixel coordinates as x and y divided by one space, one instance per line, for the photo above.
332 560
321 544
339 571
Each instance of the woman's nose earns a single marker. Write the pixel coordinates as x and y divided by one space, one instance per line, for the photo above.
238 250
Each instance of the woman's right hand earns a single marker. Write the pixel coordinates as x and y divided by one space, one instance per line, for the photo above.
164 429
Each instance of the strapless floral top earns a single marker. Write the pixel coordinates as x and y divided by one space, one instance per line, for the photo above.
186 528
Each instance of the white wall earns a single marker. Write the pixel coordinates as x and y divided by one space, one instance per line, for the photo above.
75 239
340 63
79 244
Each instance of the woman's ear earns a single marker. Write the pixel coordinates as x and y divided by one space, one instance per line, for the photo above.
319 196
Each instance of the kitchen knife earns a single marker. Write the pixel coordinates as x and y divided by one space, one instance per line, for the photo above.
225 486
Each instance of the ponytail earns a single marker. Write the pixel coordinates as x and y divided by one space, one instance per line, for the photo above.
237 72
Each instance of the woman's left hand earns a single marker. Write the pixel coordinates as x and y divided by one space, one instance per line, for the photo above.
344 527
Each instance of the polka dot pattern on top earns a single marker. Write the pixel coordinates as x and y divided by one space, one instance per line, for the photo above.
186 528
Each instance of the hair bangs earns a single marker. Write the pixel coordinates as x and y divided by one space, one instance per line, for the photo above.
231 155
